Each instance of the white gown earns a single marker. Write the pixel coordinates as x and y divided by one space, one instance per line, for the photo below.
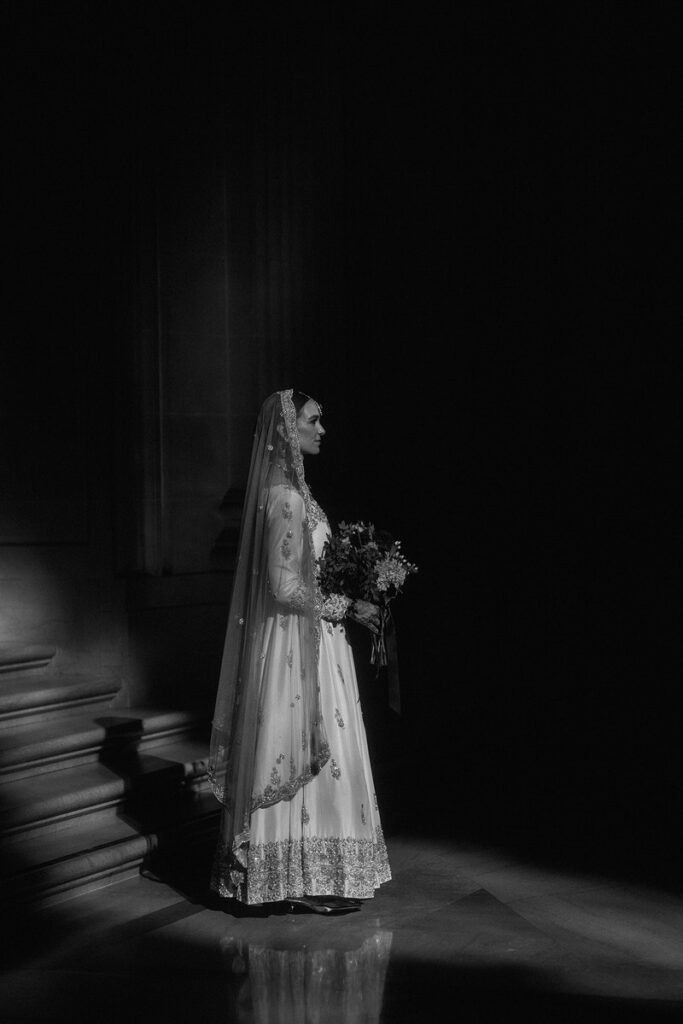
327 839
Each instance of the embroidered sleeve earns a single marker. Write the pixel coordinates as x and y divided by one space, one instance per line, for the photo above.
285 549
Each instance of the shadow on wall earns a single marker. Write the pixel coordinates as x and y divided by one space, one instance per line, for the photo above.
51 595
176 651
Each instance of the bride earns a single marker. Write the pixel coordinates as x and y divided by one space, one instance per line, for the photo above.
289 758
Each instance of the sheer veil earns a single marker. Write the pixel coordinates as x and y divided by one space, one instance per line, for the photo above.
266 595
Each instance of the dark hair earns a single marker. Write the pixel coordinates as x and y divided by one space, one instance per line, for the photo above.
299 398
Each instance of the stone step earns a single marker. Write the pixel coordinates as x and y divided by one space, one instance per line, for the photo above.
86 855
36 699
87 736
25 657
130 782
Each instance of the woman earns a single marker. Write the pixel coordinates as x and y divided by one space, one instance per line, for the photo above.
289 758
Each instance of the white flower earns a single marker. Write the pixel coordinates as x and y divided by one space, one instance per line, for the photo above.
391 572
335 607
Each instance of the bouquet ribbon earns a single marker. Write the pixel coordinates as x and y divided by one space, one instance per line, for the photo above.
385 654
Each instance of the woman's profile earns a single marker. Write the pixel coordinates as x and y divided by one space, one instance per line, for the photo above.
289 757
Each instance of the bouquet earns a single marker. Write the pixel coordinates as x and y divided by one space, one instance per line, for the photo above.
359 562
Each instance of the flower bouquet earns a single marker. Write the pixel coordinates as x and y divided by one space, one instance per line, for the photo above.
361 563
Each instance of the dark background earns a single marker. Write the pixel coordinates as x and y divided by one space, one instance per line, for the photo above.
481 300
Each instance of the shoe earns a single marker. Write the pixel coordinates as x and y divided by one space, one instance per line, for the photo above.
304 903
340 904
324 904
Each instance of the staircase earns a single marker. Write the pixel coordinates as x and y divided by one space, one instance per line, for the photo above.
90 793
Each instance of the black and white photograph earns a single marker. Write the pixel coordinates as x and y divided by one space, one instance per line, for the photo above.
339 541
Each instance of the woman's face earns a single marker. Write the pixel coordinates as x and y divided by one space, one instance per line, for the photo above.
309 428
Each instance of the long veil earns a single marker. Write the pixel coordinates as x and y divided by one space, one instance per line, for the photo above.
276 483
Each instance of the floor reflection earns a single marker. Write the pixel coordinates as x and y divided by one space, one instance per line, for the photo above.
473 930
309 986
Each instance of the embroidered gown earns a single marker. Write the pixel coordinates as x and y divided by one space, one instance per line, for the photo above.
327 839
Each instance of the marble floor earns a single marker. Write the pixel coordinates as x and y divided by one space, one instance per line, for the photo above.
461 933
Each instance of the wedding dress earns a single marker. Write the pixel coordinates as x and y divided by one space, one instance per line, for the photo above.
309 824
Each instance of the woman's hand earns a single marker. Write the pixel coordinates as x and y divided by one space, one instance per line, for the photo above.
366 614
